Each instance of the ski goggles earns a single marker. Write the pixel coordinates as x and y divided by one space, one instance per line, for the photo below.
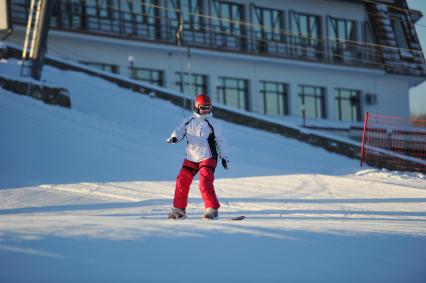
205 107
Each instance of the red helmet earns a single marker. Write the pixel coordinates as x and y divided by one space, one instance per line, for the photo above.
202 104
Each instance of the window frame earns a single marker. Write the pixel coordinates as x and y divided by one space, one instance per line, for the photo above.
337 19
227 23
194 12
321 97
339 99
232 28
182 83
284 94
276 33
301 34
159 82
404 40
222 92
102 66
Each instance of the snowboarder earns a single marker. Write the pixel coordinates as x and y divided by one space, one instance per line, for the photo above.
205 144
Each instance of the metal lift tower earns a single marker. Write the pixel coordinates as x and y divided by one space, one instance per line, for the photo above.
35 44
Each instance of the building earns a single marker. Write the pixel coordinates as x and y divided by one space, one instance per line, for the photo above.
330 59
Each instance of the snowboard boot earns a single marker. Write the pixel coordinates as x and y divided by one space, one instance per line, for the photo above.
177 214
211 214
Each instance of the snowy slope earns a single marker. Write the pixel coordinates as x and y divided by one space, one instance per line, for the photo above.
122 135
85 193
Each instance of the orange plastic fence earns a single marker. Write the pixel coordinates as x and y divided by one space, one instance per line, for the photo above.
394 143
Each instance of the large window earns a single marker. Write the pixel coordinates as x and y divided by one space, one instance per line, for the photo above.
151 76
348 105
140 18
233 92
274 96
124 17
66 14
399 30
342 29
102 66
306 33
100 8
191 14
343 33
197 84
312 101
100 14
228 25
89 14
268 28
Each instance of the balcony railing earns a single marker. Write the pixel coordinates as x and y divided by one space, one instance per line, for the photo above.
70 16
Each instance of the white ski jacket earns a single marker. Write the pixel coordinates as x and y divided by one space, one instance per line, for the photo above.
204 137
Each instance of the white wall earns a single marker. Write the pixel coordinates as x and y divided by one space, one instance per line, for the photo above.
393 99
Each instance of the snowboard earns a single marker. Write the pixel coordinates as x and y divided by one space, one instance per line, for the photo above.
238 218
241 217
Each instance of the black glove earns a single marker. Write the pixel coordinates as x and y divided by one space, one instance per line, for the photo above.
225 162
171 140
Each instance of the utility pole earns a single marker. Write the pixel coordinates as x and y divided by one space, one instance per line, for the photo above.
179 39
35 45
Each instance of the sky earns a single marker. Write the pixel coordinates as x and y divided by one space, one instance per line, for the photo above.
418 94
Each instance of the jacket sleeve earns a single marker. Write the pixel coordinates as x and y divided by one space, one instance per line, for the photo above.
220 140
180 131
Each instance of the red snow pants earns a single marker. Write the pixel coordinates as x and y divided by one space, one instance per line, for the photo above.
184 179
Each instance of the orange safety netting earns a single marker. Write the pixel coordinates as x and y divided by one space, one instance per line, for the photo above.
394 143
